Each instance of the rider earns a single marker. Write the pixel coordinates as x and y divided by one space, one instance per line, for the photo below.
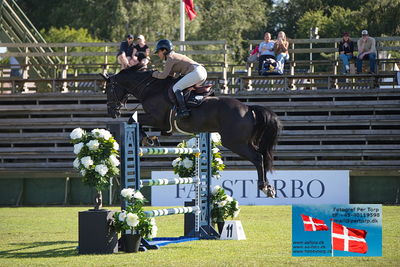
178 64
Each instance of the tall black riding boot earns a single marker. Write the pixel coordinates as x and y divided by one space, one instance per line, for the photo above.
183 112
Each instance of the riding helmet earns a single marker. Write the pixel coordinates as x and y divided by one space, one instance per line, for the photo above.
164 44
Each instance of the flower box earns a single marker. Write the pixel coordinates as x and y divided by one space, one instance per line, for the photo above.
96 236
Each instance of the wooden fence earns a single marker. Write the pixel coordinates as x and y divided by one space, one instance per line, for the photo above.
77 77
101 57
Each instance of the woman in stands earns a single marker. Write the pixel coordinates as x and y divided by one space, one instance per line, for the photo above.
177 64
281 49
266 50
141 51
346 50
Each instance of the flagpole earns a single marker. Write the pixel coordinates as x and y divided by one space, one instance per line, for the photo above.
331 237
182 25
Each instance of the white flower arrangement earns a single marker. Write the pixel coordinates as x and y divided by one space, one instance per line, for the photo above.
96 156
77 148
222 205
77 134
93 145
216 138
184 165
134 218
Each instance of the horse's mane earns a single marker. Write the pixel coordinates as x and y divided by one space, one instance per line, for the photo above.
135 68
137 72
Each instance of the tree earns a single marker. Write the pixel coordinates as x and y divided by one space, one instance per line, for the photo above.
383 17
286 14
312 19
71 35
345 20
332 22
230 20
111 20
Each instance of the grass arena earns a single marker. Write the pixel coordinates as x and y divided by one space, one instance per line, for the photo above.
47 236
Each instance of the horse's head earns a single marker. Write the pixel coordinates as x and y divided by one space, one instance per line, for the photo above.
131 81
117 95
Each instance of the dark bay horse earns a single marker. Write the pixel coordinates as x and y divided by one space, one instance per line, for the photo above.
249 131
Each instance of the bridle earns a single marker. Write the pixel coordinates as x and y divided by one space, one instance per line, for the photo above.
114 102
139 90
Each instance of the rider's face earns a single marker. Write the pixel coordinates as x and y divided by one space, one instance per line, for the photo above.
160 54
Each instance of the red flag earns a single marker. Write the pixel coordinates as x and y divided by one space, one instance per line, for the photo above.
349 239
312 224
189 6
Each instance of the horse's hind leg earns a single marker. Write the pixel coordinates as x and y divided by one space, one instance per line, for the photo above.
250 153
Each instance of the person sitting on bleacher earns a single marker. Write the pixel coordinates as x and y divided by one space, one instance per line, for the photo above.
124 55
141 52
366 50
346 49
281 49
266 50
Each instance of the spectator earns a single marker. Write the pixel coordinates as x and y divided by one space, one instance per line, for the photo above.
346 49
266 50
15 67
125 52
177 64
366 50
141 52
281 48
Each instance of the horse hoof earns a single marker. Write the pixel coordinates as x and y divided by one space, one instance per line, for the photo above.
269 191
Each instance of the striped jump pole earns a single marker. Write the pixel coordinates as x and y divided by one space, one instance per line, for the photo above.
167 150
174 181
172 211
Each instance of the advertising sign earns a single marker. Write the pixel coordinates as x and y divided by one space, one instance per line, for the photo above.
292 187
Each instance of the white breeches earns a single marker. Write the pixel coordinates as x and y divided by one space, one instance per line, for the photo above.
195 77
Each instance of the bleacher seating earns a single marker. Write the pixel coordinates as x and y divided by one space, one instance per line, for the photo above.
332 129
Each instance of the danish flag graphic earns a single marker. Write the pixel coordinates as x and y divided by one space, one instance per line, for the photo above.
313 224
348 239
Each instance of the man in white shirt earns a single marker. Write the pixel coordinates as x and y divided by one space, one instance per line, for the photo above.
265 50
366 50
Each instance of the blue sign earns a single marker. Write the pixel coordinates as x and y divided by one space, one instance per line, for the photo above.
337 230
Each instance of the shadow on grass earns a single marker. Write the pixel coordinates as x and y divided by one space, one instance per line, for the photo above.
65 251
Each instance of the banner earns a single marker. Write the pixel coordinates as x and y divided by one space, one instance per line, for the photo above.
292 187
351 230
189 7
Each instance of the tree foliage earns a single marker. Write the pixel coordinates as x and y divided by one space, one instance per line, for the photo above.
231 20
71 35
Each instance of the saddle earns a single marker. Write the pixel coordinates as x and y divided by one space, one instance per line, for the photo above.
194 95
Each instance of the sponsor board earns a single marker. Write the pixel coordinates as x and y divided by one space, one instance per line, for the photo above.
292 187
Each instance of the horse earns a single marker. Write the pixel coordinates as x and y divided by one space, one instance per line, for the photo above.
249 131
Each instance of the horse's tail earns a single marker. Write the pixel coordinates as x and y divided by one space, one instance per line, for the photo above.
265 134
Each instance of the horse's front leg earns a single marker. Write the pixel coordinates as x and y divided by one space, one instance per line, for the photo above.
146 119
268 189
